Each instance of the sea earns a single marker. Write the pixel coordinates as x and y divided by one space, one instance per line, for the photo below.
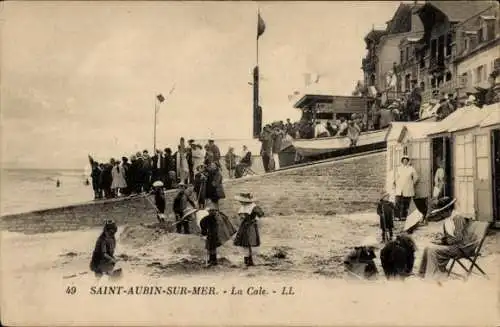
24 190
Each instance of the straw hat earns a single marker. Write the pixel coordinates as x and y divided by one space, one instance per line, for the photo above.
245 198
182 184
158 184
200 215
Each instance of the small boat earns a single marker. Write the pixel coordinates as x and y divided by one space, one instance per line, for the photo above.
327 145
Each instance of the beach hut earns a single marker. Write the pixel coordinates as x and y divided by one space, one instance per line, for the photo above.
468 141
410 138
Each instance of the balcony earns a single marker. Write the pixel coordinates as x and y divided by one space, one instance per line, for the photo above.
436 64
445 88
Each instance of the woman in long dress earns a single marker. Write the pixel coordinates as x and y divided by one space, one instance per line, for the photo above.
118 175
181 162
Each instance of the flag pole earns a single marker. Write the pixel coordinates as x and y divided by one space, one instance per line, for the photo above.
154 129
257 56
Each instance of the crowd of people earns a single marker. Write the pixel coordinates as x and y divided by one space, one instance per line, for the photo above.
194 215
397 256
135 175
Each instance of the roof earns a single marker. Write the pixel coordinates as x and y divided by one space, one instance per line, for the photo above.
435 12
338 104
401 21
375 35
458 11
493 118
414 130
452 120
471 118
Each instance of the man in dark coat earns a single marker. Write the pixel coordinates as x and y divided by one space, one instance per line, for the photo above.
183 202
214 187
155 166
266 149
189 158
214 149
96 178
200 182
414 101
168 166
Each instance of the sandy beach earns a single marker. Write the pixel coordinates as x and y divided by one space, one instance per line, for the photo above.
38 269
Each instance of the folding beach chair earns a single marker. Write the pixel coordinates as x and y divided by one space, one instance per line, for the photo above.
479 228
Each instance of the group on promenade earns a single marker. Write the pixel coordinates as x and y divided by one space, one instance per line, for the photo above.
135 174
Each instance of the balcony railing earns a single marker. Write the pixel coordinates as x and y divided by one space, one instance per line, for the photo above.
435 64
445 88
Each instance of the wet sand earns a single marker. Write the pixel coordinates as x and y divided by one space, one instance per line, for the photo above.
302 251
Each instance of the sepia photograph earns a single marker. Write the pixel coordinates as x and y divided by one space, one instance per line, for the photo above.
250 163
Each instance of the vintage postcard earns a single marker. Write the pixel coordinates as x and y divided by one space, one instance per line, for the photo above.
172 163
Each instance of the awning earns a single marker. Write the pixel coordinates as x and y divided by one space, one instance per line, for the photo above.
493 117
414 130
471 118
454 118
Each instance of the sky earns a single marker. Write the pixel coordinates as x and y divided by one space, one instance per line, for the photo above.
81 77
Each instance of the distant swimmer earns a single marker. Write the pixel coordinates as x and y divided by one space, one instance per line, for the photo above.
87 183
58 183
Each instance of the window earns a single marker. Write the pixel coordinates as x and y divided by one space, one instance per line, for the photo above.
481 35
401 56
479 74
449 43
466 44
463 80
407 56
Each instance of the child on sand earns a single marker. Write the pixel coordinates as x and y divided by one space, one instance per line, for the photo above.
248 232
360 261
103 260
159 200
217 228
385 210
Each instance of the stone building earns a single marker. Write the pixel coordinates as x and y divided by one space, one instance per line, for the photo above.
477 48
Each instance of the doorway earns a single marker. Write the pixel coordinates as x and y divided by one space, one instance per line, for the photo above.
442 153
495 149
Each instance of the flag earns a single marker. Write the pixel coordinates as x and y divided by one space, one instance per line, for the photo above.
261 26
160 97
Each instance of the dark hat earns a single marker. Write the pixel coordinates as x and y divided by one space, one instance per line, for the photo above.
405 157
110 225
191 141
211 140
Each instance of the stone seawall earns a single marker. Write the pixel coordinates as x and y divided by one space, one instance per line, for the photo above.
337 186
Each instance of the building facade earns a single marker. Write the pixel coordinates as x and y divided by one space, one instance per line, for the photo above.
383 50
446 47
477 48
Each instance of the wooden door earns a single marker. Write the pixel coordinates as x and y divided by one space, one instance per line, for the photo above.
464 172
482 178
421 160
